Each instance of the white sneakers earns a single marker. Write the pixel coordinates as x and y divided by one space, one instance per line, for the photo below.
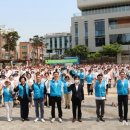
10 119
53 119
60 120
37 119
42 120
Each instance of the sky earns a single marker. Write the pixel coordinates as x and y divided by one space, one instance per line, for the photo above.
37 17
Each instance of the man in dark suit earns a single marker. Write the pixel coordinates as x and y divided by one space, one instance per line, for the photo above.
77 97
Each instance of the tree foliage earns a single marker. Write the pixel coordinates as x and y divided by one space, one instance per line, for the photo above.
111 49
80 51
11 41
36 41
94 55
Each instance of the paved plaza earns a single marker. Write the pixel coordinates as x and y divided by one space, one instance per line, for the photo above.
88 114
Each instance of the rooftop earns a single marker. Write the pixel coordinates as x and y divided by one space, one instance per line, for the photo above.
88 4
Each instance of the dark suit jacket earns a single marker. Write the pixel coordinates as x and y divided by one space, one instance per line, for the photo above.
76 94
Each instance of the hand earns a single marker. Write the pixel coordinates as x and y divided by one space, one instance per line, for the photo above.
62 100
15 86
44 100
128 97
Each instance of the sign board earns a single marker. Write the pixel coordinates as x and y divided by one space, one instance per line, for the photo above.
62 61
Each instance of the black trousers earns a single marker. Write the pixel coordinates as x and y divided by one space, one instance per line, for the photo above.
123 102
55 100
100 104
48 100
89 89
76 104
24 109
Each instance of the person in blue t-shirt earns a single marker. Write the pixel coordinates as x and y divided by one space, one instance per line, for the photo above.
123 91
100 96
39 97
24 97
56 94
67 94
8 99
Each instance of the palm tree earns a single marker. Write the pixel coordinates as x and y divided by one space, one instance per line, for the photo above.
36 42
11 41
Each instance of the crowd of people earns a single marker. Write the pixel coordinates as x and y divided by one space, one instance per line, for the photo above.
49 85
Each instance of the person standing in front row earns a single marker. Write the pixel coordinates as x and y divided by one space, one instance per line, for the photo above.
123 90
77 97
24 97
7 92
39 97
100 96
56 94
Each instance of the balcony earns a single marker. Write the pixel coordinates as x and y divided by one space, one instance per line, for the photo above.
87 4
118 26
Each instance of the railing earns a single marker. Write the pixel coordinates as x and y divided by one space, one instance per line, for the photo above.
76 14
120 26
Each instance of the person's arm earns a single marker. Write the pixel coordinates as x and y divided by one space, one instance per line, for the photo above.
62 91
16 89
82 91
69 88
129 90
45 92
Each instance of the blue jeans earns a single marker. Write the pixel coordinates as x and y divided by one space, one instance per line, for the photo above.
39 103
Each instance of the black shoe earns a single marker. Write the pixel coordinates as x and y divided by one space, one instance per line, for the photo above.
73 120
79 120
101 119
65 107
22 119
27 119
121 119
98 119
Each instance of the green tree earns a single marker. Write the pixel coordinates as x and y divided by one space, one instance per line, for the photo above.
11 39
111 49
94 56
80 51
36 42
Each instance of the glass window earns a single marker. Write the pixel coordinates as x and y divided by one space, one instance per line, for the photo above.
55 40
123 39
100 41
99 28
76 29
86 28
24 47
56 45
60 41
50 42
86 41
76 41
111 9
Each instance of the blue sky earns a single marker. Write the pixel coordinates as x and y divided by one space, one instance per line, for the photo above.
37 17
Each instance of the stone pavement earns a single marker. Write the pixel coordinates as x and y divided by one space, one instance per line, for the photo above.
88 114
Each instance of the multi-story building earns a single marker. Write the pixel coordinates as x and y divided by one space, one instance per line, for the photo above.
28 52
57 43
24 49
102 22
